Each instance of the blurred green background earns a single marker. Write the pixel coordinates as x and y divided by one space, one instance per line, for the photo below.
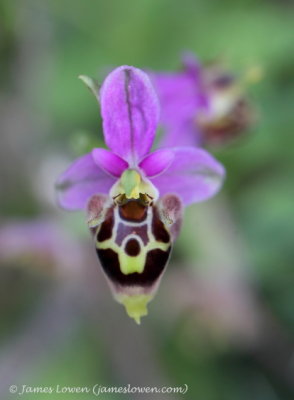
223 319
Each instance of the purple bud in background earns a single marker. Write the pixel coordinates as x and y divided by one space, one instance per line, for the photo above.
201 105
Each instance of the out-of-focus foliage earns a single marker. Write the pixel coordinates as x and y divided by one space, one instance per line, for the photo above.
47 118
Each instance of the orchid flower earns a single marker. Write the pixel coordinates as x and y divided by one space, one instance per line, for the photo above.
201 105
134 197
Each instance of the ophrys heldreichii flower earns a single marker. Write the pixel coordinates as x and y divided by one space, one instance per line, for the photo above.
134 198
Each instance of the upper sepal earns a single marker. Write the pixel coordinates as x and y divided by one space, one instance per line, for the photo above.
130 112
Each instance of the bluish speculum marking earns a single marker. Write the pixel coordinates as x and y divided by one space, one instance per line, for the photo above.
139 245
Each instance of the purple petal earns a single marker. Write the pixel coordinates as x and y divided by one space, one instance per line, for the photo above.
194 175
192 65
130 112
157 162
109 162
182 134
177 95
181 97
80 181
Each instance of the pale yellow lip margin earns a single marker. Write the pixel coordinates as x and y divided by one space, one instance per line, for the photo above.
136 305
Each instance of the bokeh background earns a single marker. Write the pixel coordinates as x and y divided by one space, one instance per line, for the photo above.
223 320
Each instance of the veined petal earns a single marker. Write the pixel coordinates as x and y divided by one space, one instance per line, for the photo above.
194 175
80 181
157 162
130 112
109 162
